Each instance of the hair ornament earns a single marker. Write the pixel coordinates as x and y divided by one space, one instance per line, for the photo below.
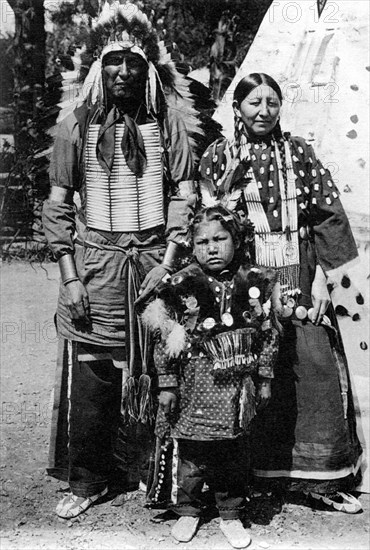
92 89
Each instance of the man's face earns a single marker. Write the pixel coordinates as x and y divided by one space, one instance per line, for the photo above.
124 75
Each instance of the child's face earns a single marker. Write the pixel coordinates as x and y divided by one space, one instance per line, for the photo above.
213 246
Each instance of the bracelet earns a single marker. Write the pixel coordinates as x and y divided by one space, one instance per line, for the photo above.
70 280
170 256
67 268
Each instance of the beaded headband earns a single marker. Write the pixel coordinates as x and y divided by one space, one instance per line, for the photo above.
122 46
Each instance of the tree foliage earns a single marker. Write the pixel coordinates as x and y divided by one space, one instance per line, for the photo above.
7 83
26 175
71 22
190 24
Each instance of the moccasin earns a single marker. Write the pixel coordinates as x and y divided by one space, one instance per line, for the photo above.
185 528
72 506
343 502
235 533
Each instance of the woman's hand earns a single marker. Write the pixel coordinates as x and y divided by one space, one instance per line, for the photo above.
168 401
320 296
151 281
263 393
77 301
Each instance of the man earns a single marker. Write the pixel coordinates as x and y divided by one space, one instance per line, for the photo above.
128 156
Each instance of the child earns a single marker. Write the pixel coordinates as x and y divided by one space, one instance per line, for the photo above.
215 337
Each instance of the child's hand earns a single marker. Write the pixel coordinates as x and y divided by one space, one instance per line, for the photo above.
168 401
263 393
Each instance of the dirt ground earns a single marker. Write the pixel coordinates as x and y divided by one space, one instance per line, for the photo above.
28 496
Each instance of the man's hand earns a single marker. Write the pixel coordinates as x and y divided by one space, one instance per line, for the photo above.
151 281
168 401
320 296
263 393
77 301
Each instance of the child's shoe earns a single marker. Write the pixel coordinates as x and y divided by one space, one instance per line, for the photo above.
185 528
235 533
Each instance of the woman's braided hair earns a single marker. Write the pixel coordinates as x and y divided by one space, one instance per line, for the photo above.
280 140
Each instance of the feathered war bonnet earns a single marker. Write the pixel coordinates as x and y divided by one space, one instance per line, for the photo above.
123 26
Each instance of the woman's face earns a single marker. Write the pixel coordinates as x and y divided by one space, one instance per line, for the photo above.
259 110
213 246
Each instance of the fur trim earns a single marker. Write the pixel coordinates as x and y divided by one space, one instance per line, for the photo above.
176 340
157 317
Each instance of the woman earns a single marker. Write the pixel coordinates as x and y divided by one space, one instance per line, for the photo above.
307 435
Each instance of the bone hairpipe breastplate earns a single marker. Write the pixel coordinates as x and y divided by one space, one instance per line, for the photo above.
123 201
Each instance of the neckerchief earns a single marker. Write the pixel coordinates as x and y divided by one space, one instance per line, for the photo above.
132 143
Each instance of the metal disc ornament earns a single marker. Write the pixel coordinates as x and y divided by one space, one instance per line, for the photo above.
247 316
301 312
191 302
290 303
254 292
291 251
287 311
209 323
177 279
310 313
227 319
